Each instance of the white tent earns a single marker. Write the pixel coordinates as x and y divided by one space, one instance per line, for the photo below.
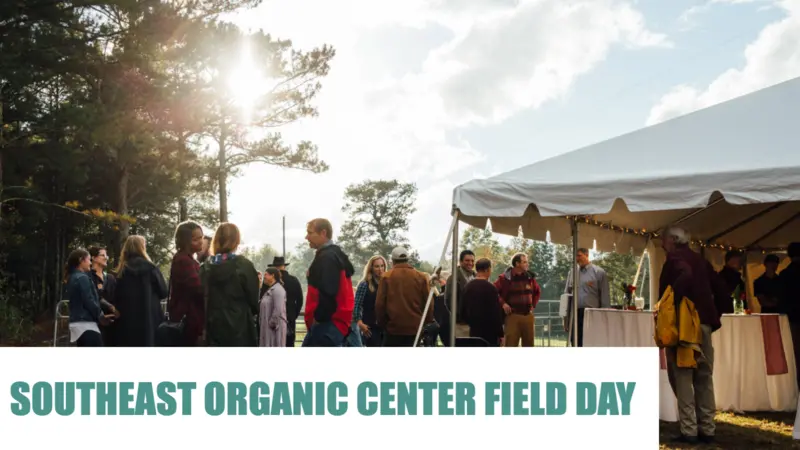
729 174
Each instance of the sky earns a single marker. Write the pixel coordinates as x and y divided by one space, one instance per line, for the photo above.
440 92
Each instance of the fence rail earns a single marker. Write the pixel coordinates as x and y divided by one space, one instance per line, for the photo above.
548 326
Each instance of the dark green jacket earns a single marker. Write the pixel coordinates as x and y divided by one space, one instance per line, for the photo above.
232 290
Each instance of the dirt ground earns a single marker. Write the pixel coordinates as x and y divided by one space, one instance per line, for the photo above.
742 431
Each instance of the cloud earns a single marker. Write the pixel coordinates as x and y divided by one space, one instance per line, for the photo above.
772 58
504 57
687 19
513 58
525 57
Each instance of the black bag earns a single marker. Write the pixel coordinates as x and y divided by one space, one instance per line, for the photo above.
429 334
171 334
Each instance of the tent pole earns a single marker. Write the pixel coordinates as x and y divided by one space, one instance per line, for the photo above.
744 222
773 231
447 239
454 277
576 275
434 278
693 213
641 260
746 277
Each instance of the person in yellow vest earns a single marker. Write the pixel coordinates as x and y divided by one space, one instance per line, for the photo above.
692 277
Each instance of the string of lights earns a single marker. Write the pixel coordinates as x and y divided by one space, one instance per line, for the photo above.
644 233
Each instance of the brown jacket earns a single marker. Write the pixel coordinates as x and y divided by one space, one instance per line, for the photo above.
401 297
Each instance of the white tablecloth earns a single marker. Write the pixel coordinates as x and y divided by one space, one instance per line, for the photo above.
615 328
740 373
740 376
796 431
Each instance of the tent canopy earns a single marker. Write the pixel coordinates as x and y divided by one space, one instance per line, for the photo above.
729 174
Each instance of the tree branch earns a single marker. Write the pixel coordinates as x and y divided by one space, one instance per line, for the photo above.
39 202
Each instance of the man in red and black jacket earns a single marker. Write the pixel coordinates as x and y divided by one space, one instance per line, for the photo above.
519 295
330 299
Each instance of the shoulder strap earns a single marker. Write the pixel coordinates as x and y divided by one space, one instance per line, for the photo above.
205 310
169 290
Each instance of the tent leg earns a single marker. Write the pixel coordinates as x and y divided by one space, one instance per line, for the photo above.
434 277
746 277
576 274
639 266
447 240
454 277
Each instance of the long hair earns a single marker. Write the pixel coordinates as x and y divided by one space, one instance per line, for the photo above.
183 235
73 261
275 273
372 283
226 239
134 246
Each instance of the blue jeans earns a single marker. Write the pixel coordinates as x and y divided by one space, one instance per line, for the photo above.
323 334
354 338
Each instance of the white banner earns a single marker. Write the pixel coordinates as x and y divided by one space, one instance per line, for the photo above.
435 398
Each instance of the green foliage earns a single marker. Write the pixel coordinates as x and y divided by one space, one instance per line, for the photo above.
621 268
423 266
15 323
378 217
564 261
105 110
244 134
551 262
300 260
261 257
483 243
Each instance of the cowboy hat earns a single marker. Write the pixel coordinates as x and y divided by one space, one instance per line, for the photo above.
278 261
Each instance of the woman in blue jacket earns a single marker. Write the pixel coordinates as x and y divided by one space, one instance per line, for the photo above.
84 302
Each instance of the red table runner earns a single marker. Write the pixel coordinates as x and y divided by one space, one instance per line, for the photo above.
774 354
775 357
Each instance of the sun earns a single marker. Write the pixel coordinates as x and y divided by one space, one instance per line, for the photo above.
246 83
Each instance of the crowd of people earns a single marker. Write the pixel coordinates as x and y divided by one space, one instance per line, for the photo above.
216 297
221 299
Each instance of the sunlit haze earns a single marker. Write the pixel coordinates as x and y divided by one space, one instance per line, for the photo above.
245 82
442 92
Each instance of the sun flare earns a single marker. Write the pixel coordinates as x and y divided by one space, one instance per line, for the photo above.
246 82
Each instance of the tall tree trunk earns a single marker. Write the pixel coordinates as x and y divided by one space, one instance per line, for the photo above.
223 179
43 280
1 171
183 203
56 280
2 148
122 207
183 209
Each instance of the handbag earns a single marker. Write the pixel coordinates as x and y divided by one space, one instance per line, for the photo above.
170 334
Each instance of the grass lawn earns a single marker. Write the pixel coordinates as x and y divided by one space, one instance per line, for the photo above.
746 431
